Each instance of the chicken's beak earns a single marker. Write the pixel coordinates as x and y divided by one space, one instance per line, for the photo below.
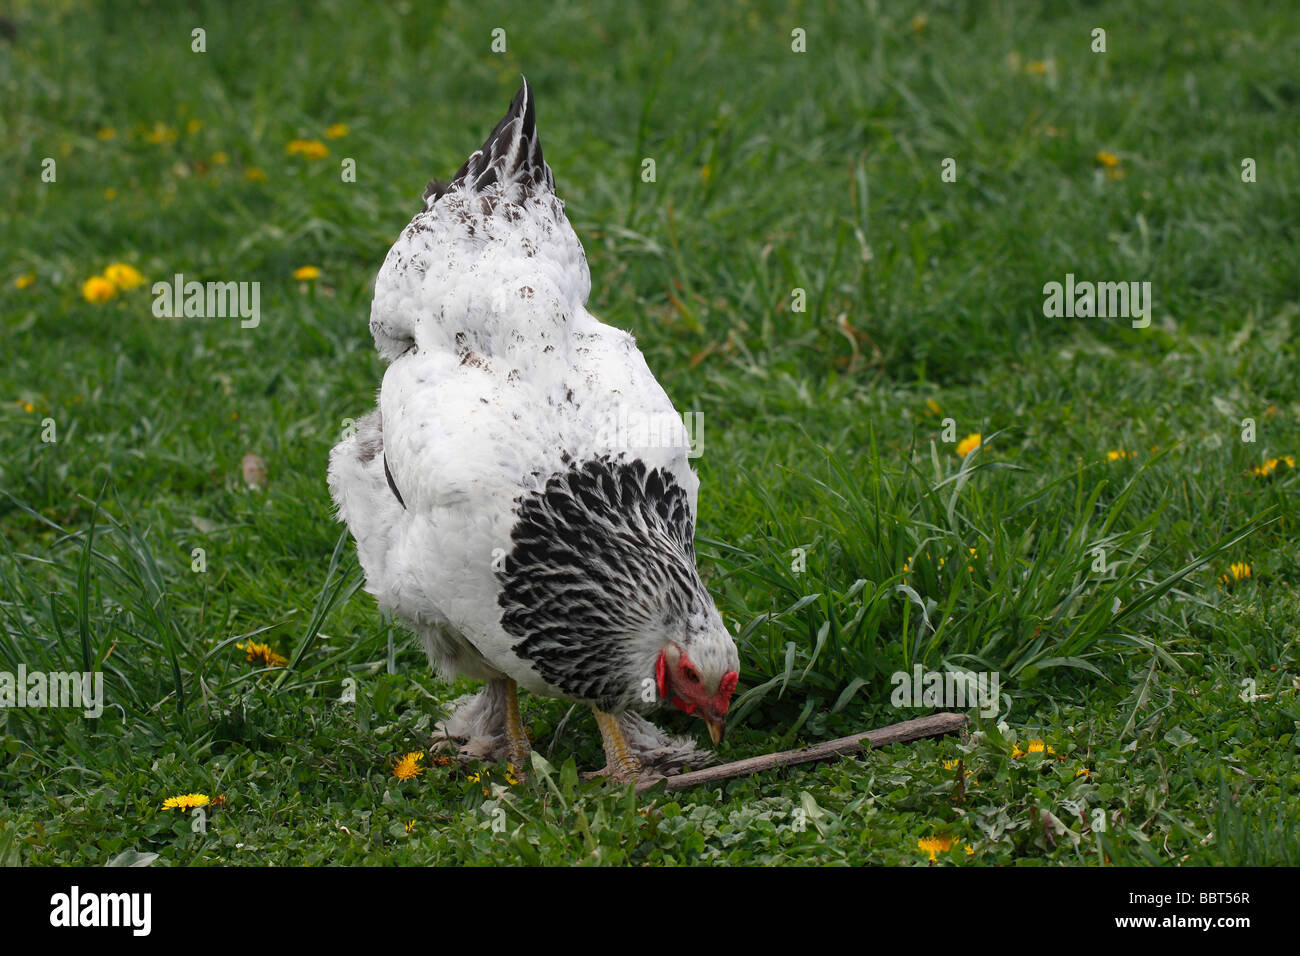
717 727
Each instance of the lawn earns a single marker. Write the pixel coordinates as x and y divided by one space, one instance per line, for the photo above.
838 264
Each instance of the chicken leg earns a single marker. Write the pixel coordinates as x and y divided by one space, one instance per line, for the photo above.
518 740
486 727
621 761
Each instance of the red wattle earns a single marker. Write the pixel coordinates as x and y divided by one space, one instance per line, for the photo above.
722 699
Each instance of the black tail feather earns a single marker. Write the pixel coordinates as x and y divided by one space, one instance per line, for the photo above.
511 155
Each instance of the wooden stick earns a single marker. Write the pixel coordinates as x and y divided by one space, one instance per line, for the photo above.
934 725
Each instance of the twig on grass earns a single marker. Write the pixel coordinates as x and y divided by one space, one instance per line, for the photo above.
933 725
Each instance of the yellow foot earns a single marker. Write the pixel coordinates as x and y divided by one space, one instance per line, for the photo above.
621 764
520 749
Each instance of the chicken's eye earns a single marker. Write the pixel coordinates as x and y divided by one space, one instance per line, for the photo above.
690 675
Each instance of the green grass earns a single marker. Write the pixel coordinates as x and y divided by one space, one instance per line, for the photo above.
823 428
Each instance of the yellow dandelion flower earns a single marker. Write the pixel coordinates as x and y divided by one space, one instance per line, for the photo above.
934 845
193 126
105 134
410 826
409 766
934 407
1271 466
1036 67
24 280
950 764
219 158
1237 571
337 131
1036 747
1083 772
306 273
307 148
110 193
186 801
255 174
97 289
262 653
1111 163
160 134
1016 752
969 444
123 276
1117 454
29 407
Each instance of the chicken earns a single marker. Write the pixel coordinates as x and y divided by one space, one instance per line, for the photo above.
522 496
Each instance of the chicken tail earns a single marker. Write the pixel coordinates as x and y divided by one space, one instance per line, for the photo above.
512 155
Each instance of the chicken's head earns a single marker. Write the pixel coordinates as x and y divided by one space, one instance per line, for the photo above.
701 684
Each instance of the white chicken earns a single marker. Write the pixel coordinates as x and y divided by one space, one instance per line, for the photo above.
522 496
